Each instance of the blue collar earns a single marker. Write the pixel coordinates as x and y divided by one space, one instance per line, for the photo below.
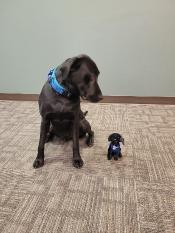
56 86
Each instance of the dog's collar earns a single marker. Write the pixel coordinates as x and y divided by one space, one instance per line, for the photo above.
56 86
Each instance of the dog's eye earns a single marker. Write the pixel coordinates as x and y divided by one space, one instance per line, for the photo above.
87 78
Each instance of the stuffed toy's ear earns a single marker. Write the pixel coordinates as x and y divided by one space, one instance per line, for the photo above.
122 140
110 138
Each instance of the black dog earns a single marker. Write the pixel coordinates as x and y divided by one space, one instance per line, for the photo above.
114 147
60 112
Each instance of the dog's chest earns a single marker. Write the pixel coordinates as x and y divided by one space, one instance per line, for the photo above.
64 125
61 116
62 120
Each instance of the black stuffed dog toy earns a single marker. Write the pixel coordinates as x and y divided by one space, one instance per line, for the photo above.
114 147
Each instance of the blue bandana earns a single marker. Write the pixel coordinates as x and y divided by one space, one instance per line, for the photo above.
56 86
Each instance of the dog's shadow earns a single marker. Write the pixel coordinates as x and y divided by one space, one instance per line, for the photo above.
68 143
60 151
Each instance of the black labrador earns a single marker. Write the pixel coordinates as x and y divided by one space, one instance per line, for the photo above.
60 112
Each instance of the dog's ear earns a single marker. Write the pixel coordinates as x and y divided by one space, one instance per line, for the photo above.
62 71
73 64
91 62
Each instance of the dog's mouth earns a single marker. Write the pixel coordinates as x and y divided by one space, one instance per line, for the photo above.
93 99
84 97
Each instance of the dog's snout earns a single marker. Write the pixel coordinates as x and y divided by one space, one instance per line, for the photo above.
95 98
98 93
100 97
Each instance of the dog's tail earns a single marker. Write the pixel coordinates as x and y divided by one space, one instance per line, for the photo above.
85 113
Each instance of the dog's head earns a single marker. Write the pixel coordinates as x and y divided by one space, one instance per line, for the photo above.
115 138
81 74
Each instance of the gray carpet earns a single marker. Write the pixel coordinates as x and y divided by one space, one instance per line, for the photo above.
134 194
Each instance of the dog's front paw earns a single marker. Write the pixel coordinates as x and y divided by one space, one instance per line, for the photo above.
38 163
78 163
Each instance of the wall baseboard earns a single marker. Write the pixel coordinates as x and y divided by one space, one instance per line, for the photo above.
106 99
139 99
22 97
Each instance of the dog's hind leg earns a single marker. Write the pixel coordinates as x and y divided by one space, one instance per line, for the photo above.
50 135
85 127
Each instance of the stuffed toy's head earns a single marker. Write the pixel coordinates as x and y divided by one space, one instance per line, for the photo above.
115 138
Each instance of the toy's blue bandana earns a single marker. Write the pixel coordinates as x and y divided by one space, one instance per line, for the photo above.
56 86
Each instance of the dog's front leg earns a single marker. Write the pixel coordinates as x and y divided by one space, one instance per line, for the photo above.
77 160
39 161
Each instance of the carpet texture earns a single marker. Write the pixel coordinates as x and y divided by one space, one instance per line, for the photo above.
134 194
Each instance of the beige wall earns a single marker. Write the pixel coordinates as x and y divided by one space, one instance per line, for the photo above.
132 42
